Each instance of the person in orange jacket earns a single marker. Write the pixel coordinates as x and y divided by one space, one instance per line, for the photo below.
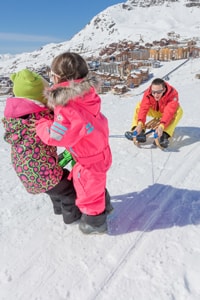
160 101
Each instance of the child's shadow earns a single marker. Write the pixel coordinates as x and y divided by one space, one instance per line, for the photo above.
157 207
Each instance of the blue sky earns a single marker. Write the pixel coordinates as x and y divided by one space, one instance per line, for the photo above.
26 26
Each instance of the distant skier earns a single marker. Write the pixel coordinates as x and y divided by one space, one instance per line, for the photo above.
161 101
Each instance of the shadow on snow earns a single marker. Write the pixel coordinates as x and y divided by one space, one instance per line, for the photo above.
184 136
157 207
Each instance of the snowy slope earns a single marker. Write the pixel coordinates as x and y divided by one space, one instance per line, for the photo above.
152 251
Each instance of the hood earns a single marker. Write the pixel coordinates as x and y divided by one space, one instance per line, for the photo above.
17 107
81 92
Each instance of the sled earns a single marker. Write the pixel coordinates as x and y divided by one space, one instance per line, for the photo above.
150 127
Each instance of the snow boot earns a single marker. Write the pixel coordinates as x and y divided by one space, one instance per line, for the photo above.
57 210
164 140
93 224
129 135
140 138
71 214
109 206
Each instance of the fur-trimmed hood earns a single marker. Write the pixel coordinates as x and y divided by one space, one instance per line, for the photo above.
81 91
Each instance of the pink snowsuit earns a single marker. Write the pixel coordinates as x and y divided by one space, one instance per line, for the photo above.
82 129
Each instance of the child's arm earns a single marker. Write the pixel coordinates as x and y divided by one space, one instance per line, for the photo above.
43 127
59 132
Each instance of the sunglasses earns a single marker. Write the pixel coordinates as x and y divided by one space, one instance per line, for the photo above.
157 92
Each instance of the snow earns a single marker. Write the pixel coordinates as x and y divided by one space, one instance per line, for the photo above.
152 249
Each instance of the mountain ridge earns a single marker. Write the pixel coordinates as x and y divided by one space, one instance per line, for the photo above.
133 20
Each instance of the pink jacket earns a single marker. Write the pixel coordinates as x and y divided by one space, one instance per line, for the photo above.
19 106
78 124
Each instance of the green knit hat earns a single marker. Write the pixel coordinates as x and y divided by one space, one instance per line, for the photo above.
29 84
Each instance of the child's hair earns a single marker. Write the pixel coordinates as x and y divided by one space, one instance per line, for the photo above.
69 66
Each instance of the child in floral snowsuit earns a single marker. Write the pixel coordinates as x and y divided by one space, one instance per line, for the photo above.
36 163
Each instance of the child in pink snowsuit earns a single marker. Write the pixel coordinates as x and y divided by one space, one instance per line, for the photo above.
82 129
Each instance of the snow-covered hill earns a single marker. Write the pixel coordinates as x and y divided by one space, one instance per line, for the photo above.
133 20
153 249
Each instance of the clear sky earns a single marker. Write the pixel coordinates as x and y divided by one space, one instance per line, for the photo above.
26 26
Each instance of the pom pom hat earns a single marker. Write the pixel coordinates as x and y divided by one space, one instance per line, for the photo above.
29 85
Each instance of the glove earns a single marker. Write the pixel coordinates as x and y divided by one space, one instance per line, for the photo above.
159 130
139 127
64 158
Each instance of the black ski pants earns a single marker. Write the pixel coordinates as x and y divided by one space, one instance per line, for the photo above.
63 197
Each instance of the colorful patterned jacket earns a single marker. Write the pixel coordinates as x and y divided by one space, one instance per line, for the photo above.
35 163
